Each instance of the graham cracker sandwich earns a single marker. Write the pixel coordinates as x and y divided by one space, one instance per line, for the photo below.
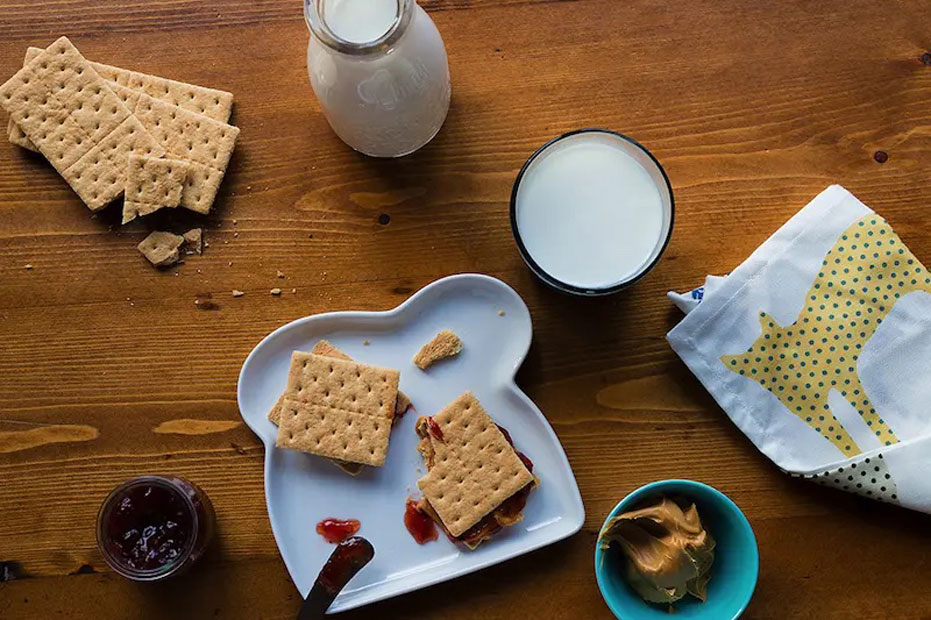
326 349
476 483
338 409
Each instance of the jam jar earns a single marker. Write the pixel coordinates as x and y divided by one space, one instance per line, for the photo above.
152 527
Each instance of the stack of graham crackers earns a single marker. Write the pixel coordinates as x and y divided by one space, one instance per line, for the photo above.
112 132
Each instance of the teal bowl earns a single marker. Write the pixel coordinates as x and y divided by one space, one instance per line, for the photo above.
733 574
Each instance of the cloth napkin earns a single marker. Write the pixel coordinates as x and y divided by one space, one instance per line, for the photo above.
818 347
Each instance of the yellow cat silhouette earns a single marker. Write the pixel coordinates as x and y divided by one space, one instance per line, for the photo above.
863 276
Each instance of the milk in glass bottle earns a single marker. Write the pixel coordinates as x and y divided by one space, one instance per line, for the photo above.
379 70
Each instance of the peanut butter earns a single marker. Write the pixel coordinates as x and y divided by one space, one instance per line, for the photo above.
669 554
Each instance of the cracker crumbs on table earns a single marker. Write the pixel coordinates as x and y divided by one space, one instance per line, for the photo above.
275 292
194 240
366 342
237 293
293 290
501 313
445 344
280 273
161 248
27 267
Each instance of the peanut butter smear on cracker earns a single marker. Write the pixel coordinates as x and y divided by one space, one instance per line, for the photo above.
669 553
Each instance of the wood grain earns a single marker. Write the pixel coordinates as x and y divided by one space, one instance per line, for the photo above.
752 108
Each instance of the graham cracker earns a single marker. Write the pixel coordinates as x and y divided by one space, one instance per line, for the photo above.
445 344
76 121
326 349
151 184
161 248
17 136
206 144
217 104
338 409
474 468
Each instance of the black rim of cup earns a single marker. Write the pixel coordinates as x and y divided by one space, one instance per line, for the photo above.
564 286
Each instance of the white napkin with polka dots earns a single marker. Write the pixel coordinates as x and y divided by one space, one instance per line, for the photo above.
818 347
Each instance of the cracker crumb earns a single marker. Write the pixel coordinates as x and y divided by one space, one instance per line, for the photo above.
238 293
280 274
235 234
161 248
501 313
28 266
194 240
275 291
229 264
445 344
235 222
366 342
294 290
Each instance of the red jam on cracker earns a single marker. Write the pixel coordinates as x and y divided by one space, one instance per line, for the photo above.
435 429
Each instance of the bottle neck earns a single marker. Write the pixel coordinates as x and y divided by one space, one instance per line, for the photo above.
321 17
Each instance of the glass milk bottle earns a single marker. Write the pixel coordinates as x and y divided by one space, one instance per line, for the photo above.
379 70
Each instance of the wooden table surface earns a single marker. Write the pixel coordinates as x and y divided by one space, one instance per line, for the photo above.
109 368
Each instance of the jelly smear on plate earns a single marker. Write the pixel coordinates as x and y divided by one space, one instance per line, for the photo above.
421 527
337 530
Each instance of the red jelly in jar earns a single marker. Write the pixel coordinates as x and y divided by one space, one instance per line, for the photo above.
152 527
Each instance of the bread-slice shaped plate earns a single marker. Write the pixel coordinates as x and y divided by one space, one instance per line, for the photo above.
301 490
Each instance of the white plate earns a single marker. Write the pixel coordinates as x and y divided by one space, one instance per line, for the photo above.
301 489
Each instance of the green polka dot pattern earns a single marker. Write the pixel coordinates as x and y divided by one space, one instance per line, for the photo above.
861 279
869 477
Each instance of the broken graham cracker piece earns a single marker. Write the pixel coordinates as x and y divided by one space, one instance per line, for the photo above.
161 248
77 122
473 471
152 183
338 409
206 144
194 240
445 344
217 104
326 349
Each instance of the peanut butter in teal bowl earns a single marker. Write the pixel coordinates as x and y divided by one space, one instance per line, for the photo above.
679 546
